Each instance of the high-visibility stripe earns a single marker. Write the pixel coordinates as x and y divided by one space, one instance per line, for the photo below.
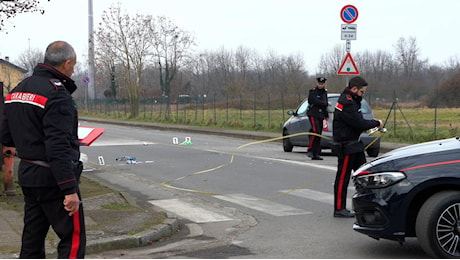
342 178
339 106
75 236
27 98
312 137
430 164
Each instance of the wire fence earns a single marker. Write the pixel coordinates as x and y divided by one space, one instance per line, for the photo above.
269 112
251 112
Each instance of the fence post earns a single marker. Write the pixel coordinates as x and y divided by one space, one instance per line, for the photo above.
269 114
241 108
435 110
215 110
226 113
255 109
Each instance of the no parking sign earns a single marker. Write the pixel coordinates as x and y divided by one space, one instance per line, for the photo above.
349 14
85 80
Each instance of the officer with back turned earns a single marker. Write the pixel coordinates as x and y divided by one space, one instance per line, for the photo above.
41 122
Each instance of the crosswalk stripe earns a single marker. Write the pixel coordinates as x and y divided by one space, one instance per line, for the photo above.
198 214
266 206
316 195
189 211
120 143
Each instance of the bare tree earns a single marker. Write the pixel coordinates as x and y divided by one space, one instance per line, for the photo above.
30 58
274 72
452 65
126 42
330 62
10 8
297 75
408 56
200 71
377 68
171 50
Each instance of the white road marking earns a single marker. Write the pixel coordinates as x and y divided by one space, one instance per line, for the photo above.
316 195
189 211
266 206
120 142
325 167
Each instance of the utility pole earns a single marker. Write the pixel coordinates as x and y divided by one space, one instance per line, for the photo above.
91 91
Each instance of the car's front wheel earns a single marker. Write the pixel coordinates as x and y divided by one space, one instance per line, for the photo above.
287 146
438 225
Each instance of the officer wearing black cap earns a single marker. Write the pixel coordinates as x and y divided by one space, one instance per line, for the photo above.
317 112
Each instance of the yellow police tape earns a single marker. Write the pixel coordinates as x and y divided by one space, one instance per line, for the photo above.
167 184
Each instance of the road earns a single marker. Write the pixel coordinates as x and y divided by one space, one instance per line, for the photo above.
236 198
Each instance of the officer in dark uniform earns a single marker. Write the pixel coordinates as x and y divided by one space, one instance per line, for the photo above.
41 122
348 124
317 112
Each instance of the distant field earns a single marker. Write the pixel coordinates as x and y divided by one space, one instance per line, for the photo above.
406 124
422 122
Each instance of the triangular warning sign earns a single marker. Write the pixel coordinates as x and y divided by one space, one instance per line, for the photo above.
348 66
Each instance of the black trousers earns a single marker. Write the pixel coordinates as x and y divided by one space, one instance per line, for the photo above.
346 164
315 141
44 208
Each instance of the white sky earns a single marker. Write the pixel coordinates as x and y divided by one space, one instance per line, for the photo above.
308 27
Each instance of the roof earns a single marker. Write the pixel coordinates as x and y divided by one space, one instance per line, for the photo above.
2 61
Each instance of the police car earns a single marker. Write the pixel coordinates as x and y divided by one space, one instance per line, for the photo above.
412 191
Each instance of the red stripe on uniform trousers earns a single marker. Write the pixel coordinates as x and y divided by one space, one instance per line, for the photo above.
75 246
26 98
313 127
342 178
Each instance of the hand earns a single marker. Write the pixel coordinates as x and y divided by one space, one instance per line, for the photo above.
381 124
71 203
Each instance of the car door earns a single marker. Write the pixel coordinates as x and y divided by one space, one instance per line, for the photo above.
299 124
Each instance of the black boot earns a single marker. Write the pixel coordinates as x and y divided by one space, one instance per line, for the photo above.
343 213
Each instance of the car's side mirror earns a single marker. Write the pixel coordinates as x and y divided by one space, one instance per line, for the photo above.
291 113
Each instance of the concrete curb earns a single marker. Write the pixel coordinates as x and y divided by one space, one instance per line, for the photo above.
165 229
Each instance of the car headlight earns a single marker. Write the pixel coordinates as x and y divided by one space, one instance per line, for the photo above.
378 180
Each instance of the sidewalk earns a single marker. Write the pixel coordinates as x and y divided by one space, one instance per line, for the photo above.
103 233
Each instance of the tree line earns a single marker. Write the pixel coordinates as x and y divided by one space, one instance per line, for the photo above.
144 57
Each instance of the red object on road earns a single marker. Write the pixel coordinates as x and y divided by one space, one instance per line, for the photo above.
87 135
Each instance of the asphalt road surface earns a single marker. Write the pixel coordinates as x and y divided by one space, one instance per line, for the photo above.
235 198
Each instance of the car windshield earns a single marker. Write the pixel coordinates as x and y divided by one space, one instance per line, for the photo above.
302 109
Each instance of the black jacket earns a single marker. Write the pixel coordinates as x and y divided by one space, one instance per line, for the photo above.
41 122
348 122
317 103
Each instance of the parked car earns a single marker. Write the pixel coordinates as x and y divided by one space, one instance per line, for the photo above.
298 123
412 191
